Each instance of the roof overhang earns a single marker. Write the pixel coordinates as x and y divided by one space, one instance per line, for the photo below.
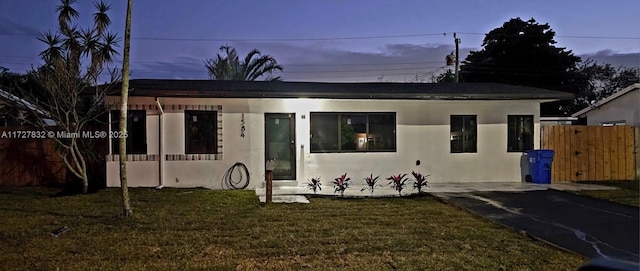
396 91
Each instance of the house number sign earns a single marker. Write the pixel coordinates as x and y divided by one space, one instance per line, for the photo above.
242 126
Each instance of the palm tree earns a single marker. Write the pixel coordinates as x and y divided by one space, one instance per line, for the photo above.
124 96
229 67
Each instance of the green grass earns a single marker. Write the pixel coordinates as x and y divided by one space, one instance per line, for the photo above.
628 192
198 229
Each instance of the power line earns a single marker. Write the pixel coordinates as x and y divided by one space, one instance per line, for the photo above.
567 36
333 38
134 72
291 39
368 70
202 62
284 64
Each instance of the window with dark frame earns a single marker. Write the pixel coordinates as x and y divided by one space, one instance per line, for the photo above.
201 132
352 132
136 131
520 133
464 133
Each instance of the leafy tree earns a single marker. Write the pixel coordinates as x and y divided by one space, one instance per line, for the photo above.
594 82
228 66
602 80
447 77
522 53
59 92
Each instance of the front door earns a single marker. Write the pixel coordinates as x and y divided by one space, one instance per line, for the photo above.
280 145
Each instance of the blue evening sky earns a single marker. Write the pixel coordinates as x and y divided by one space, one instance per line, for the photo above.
328 40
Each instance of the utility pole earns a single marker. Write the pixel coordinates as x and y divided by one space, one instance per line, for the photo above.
457 41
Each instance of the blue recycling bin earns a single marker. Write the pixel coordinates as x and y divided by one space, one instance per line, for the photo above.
540 162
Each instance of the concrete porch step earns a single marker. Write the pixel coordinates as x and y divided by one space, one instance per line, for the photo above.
263 184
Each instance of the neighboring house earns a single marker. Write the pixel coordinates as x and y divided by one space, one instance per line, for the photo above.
188 133
555 121
621 108
7 99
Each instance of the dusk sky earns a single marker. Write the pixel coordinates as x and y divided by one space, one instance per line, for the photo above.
328 40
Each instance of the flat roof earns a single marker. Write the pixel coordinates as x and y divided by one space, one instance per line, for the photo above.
376 90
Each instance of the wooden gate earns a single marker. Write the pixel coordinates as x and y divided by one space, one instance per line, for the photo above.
590 153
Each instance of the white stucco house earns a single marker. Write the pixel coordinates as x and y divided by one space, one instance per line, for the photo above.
189 133
621 108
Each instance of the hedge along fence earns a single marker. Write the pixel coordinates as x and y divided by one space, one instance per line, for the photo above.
35 161
592 153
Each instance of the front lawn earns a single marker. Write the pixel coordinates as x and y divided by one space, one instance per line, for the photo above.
628 192
197 229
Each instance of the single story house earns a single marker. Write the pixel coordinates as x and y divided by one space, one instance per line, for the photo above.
621 108
190 133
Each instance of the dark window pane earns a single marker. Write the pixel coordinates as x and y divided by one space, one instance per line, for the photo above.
136 131
201 133
382 132
324 132
353 132
456 134
463 134
520 133
470 134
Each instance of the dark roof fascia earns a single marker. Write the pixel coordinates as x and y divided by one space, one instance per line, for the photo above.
389 91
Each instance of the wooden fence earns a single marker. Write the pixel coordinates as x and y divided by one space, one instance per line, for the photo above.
30 162
35 162
592 153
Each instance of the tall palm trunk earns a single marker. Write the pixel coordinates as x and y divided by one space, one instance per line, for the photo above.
126 204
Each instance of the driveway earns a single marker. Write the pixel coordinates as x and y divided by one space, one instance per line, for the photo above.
587 226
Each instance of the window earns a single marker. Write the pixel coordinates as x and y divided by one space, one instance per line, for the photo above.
201 132
136 131
463 133
353 132
520 129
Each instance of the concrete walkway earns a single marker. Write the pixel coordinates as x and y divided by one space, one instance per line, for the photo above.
295 194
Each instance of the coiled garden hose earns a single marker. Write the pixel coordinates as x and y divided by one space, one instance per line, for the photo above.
229 183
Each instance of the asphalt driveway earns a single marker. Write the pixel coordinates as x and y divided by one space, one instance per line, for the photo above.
590 227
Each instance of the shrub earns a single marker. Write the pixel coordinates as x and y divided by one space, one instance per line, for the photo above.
398 182
314 184
341 184
371 183
419 181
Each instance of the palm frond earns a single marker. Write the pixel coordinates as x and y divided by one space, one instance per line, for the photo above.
90 41
100 19
66 12
108 47
228 66
54 50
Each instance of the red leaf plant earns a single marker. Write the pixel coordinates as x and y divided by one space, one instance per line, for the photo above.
398 182
341 184
314 184
371 183
419 181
